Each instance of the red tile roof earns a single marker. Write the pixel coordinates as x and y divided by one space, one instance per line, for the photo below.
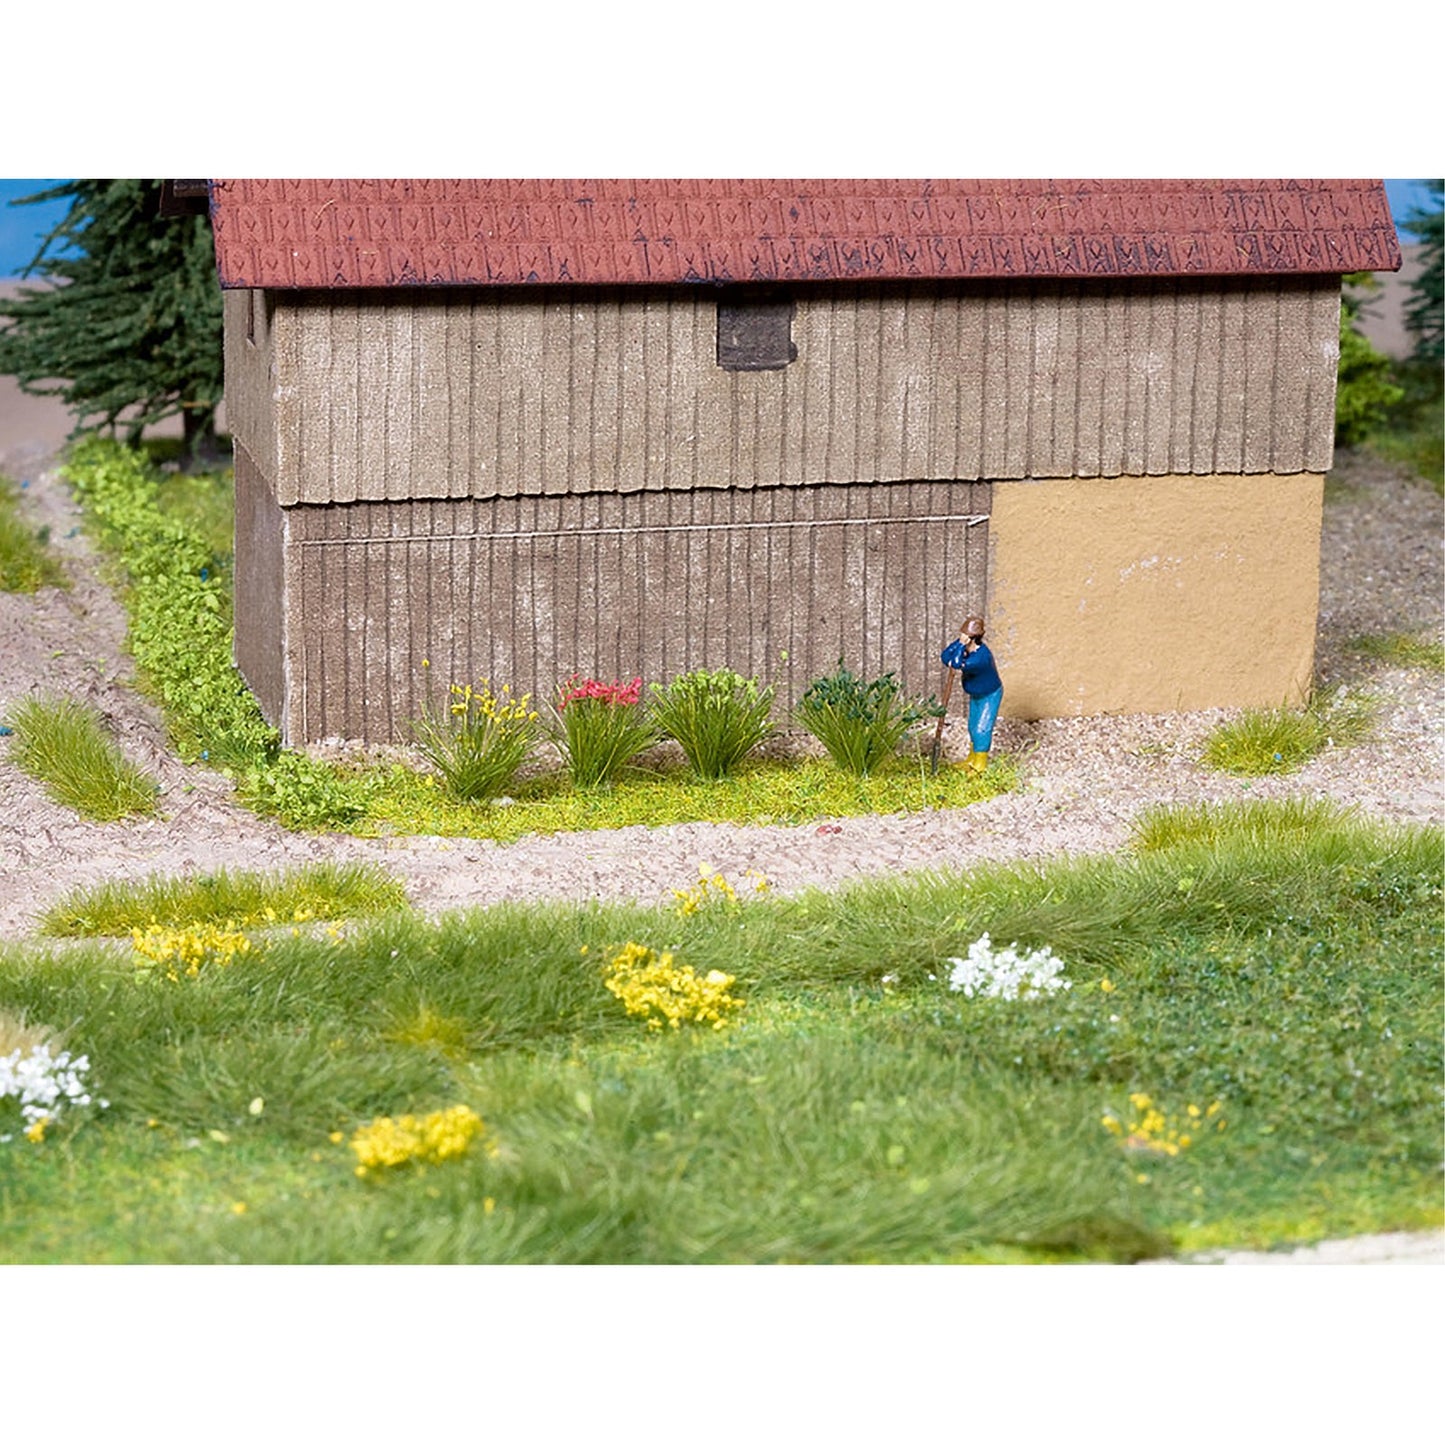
367 233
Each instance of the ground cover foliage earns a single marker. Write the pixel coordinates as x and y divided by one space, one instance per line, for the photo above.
1265 981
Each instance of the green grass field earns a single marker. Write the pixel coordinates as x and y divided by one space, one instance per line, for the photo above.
1278 970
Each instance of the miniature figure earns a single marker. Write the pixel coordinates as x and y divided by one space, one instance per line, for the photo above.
971 657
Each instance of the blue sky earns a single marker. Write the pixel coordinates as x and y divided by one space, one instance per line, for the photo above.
22 227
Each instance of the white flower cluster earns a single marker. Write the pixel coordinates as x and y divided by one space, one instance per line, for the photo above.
1005 973
43 1082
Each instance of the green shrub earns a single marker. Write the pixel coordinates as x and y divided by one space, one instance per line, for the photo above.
178 608
860 724
1364 392
305 793
481 740
717 718
64 745
599 728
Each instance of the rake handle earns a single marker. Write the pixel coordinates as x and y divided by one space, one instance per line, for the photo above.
942 718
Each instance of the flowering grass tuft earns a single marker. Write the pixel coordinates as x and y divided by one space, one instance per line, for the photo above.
599 728
320 891
176 951
37 1082
652 987
1148 1130
717 718
480 741
988 972
388 1143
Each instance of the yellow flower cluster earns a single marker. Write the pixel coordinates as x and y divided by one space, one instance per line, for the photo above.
184 950
1152 1131
650 986
712 887
386 1143
482 702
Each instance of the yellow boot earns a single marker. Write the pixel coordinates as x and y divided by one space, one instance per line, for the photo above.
977 762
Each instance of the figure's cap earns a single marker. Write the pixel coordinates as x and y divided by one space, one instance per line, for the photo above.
973 627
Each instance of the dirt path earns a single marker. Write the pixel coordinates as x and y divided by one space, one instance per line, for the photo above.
1087 777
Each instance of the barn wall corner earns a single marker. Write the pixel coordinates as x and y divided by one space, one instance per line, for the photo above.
1155 594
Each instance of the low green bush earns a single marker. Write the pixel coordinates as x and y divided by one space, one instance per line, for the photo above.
178 607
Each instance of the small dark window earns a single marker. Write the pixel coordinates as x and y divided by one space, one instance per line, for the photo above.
755 332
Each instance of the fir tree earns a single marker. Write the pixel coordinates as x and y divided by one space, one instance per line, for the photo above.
130 320
1423 315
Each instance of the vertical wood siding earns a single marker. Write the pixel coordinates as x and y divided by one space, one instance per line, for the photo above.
452 394
774 582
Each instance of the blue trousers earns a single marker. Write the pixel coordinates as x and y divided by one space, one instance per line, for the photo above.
982 711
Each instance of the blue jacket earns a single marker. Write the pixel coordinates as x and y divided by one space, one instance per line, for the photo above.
980 676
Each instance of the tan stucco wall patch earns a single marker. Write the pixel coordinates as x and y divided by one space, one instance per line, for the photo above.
1154 594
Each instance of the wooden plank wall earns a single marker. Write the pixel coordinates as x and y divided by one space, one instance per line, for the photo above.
774 582
477 394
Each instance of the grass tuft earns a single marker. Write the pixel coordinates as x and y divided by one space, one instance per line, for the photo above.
1261 741
321 891
1401 649
65 746
1258 822
26 564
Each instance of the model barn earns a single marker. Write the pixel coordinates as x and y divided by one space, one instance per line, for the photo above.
522 429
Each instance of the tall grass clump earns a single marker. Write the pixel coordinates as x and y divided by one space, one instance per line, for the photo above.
717 718
26 563
322 891
480 741
1281 740
859 723
64 745
599 727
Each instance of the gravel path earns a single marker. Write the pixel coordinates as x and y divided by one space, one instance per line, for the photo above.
1086 778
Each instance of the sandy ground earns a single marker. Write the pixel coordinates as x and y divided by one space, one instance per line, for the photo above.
1087 778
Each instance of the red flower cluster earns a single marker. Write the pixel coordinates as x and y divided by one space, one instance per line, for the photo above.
614 694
